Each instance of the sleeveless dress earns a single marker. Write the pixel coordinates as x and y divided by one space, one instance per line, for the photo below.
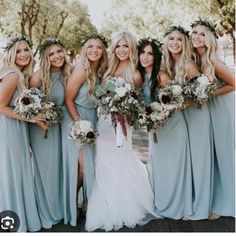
201 149
169 165
87 111
121 193
223 117
47 155
16 177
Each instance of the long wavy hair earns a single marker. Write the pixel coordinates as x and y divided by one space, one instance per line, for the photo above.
207 61
9 64
128 73
157 58
45 69
177 70
102 67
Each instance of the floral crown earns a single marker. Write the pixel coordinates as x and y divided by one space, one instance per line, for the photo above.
94 36
49 42
176 28
209 25
18 39
150 40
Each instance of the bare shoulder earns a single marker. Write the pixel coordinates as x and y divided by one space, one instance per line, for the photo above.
137 74
35 80
164 78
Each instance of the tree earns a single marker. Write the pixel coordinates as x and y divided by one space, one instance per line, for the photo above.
41 19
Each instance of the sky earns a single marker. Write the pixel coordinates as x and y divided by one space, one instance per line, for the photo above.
96 10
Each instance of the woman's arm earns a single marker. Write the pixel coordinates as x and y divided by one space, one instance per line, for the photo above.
137 79
75 81
223 74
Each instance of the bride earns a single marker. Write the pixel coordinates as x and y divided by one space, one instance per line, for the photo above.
121 193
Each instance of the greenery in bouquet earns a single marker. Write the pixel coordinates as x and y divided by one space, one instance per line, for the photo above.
53 114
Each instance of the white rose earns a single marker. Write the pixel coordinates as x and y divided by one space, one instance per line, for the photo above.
120 91
203 81
128 86
176 89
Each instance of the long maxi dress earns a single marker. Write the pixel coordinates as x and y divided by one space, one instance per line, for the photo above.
201 149
223 123
47 155
16 176
86 111
169 165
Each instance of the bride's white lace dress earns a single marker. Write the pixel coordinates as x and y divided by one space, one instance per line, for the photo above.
121 194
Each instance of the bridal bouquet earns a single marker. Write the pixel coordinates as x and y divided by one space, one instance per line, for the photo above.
28 103
171 97
199 89
82 131
154 116
118 99
53 114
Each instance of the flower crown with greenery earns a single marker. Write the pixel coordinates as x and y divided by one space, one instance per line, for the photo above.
17 39
94 36
176 28
150 40
207 24
49 42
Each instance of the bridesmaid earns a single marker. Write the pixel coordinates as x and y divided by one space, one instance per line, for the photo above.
78 162
17 189
169 164
51 77
222 117
178 64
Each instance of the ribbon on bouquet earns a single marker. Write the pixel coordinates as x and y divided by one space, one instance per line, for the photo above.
120 129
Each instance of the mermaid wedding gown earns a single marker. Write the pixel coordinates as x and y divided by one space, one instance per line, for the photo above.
121 193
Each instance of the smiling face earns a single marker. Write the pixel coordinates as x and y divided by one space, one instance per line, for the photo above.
175 42
198 37
23 56
146 58
56 57
122 50
94 50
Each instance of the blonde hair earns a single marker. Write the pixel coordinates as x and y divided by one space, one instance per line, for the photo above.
90 74
45 66
9 64
129 71
207 61
177 70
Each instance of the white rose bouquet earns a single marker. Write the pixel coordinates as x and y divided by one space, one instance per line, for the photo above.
120 100
28 103
199 89
171 97
83 132
153 117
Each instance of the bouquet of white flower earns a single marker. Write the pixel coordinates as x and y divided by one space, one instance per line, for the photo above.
118 99
171 97
199 89
153 117
53 114
28 103
82 131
